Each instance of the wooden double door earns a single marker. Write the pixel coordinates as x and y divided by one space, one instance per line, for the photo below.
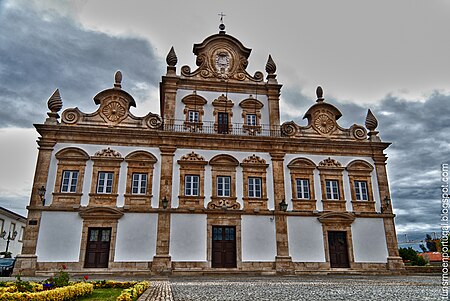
338 249
97 248
223 247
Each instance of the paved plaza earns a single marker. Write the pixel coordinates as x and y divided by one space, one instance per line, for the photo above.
306 288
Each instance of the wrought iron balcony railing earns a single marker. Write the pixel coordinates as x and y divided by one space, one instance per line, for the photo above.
209 127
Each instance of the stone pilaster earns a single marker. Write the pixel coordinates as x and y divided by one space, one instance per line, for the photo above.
283 262
395 262
26 262
273 95
162 263
169 87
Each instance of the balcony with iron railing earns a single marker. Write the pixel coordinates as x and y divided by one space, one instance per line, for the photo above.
210 127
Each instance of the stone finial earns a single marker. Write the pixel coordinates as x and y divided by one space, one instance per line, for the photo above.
118 80
371 121
171 58
319 93
54 104
271 67
371 125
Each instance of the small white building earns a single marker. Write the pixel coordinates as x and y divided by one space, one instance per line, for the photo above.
12 225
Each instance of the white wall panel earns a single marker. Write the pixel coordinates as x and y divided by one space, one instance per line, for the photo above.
369 240
59 237
258 238
305 239
188 237
136 237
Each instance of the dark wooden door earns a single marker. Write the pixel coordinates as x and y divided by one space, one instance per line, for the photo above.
97 249
224 247
222 120
337 245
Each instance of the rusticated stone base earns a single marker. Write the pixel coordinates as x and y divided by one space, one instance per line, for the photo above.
284 265
162 265
395 264
25 265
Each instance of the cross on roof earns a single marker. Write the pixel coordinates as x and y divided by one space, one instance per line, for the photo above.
221 17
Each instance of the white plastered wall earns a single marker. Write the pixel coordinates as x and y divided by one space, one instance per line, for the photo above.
344 160
91 150
305 237
208 155
136 237
59 237
188 237
369 240
258 238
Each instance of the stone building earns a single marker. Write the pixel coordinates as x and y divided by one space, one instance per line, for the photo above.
214 183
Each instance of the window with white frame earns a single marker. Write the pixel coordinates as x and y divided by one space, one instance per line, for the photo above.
12 228
139 185
191 185
251 119
302 186
193 116
254 187
332 189
105 182
22 230
2 224
361 191
223 186
69 181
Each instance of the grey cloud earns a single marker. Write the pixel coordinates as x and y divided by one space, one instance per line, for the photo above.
39 55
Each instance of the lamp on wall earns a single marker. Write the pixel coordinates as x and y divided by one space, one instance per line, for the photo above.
283 205
165 202
41 193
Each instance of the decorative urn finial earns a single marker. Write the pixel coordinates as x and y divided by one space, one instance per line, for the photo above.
54 104
319 93
371 121
118 80
271 67
371 125
171 58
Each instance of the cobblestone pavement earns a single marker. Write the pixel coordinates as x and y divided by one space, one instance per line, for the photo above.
296 288
159 291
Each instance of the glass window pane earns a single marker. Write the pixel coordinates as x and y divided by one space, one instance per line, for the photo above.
94 235
106 235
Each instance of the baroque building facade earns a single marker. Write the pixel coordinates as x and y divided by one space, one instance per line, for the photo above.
214 183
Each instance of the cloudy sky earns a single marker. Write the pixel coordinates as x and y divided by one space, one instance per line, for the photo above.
390 56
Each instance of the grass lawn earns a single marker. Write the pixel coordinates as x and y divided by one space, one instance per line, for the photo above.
103 294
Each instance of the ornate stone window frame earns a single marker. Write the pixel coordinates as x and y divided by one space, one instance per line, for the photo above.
105 160
223 165
192 164
223 105
359 170
337 221
69 159
99 217
251 106
139 162
330 169
302 168
193 102
255 167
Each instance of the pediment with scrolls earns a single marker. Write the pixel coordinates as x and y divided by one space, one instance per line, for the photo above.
221 57
114 111
322 123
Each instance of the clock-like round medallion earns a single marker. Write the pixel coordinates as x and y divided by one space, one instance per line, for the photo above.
324 124
114 111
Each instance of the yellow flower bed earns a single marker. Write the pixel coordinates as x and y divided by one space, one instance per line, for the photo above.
113 284
58 294
132 293
12 288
